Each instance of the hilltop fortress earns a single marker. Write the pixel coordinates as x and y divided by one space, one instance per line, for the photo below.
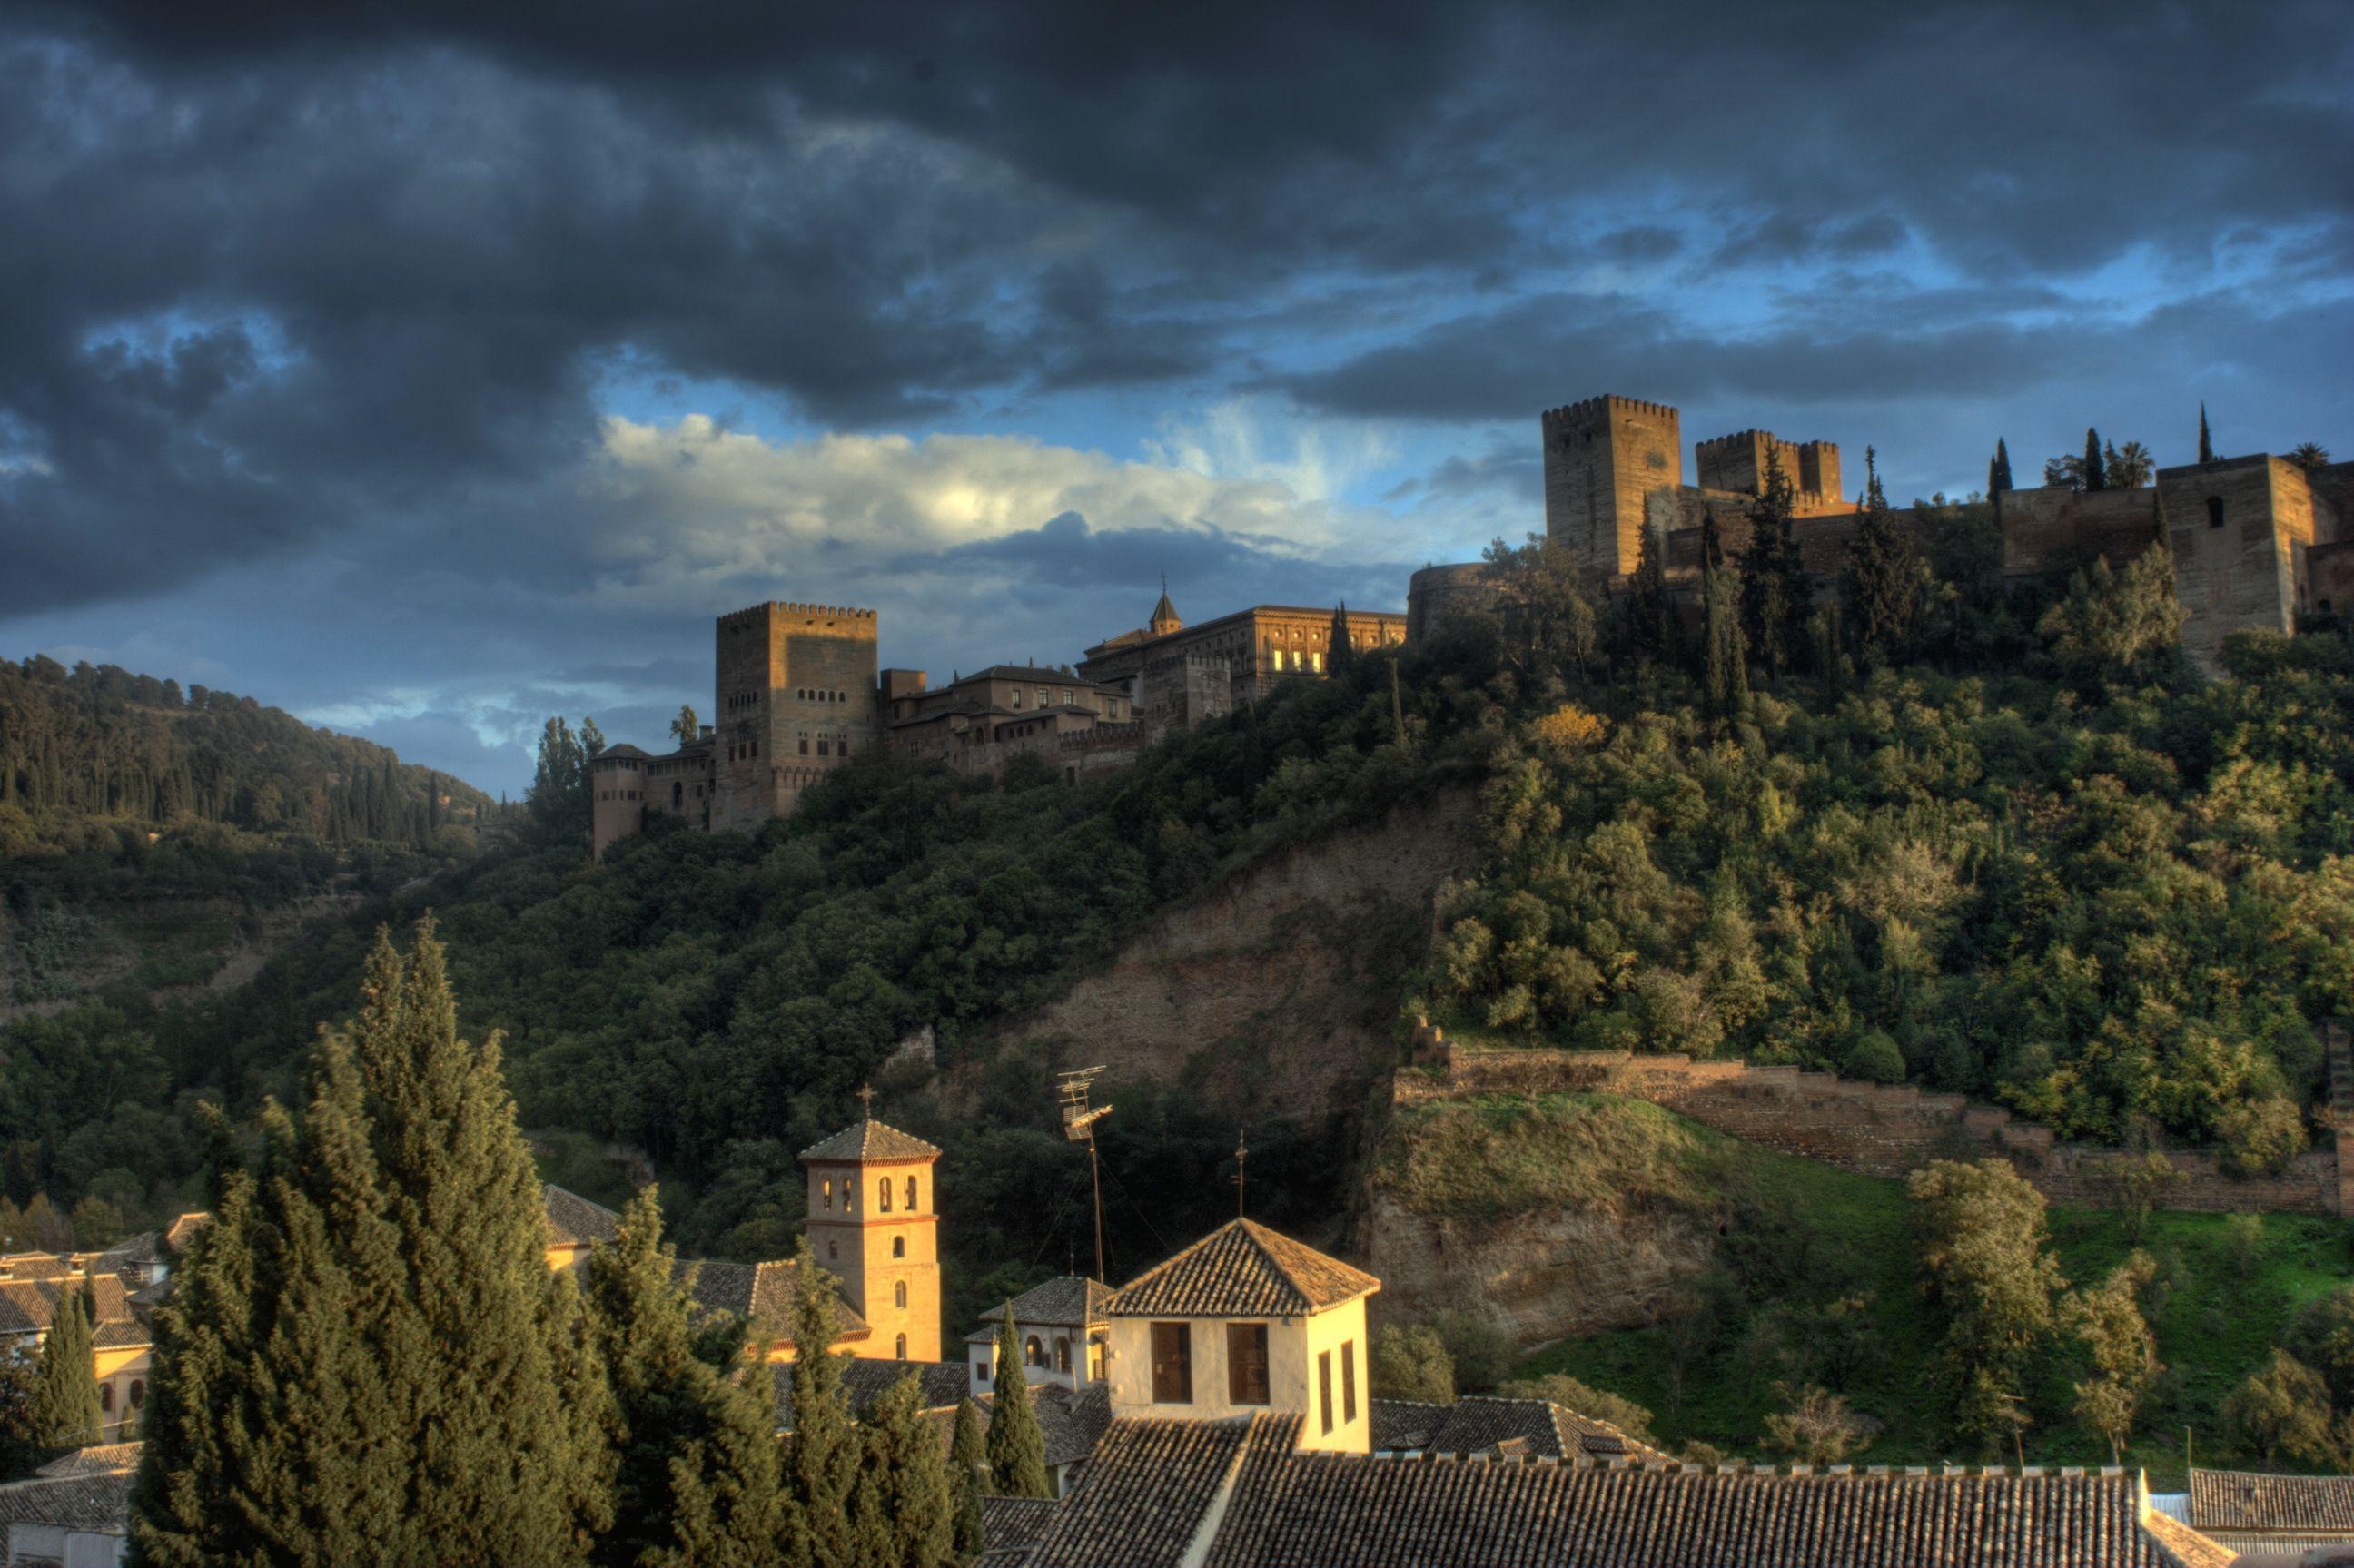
799 690
2257 541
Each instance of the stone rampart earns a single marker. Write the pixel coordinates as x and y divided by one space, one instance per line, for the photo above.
1872 1128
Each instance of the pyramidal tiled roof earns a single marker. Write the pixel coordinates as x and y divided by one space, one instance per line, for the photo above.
871 1140
1242 1269
1070 1301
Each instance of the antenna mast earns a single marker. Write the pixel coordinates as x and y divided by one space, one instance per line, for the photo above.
1079 1126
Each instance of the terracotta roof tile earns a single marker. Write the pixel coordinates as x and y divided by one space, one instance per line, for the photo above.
185 1229
1242 1269
29 1306
940 1384
1058 1303
101 1459
1476 1425
2244 1500
96 1503
2185 1546
1143 1497
762 1294
1070 1423
871 1140
573 1220
1011 1524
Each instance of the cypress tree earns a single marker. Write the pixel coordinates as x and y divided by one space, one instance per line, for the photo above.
904 1515
510 1463
1725 658
1998 470
2096 475
2206 442
1017 1448
1339 653
1648 626
1881 585
66 1412
968 1463
697 1477
1777 595
821 1456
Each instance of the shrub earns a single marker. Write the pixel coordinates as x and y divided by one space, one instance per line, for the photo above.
1413 1363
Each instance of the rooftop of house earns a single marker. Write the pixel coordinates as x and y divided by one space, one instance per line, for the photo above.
1071 1421
763 1295
1070 1301
1155 1486
30 1306
1535 1428
99 1459
940 1384
98 1503
184 1230
868 1139
2242 1501
573 1220
1242 1269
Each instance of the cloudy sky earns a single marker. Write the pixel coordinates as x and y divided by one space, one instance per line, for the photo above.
427 369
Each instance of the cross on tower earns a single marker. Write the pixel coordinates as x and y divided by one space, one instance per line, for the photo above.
866 1101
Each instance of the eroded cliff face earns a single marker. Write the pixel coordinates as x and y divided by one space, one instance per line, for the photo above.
1542 1275
1278 988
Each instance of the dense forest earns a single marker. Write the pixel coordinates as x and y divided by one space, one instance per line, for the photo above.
84 750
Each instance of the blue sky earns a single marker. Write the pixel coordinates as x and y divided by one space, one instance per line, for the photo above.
427 377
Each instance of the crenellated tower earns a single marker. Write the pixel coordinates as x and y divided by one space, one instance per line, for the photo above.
1604 458
795 696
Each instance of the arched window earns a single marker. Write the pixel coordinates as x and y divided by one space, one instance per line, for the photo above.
898 1246
1033 1352
1061 1353
911 1194
833 1250
106 1397
2214 511
902 1346
828 1199
899 1295
883 1194
138 1392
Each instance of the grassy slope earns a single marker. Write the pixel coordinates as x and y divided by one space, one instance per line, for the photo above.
2216 1325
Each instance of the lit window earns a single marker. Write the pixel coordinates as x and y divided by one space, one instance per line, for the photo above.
911 1194
827 1200
1033 1355
883 1196
899 1297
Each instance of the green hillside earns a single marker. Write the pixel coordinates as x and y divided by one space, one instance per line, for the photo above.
1815 1275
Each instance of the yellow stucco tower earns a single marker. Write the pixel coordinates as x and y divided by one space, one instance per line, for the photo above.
874 1224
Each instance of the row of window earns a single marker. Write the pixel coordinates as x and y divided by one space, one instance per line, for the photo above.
743 700
819 695
1172 1369
1033 1353
1290 659
850 1194
839 747
138 1395
617 794
744 753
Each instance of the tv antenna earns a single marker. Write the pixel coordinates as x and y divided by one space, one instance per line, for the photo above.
1242 1154
1079 1125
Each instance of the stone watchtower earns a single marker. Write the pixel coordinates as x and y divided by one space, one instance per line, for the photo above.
795 696
874 1222
1603 459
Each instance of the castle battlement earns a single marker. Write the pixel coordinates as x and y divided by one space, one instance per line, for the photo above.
1595 407
759 612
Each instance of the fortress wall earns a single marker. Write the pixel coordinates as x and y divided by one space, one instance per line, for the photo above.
1874 1130
2230 542
2055 530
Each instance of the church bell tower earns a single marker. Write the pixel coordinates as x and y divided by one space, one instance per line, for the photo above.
874 1224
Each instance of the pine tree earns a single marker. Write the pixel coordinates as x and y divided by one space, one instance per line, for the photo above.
67 1413
821 1456
1998 470
2096 475
1339 653
1017 1448
697 1479
968 1463
905 1511
2206 441
1725 657
1881 586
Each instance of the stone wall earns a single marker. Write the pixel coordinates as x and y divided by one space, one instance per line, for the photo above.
1602 457
2234 547
2054 531
1875 1129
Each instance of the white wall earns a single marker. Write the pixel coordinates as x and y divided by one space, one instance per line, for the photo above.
1293 1346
